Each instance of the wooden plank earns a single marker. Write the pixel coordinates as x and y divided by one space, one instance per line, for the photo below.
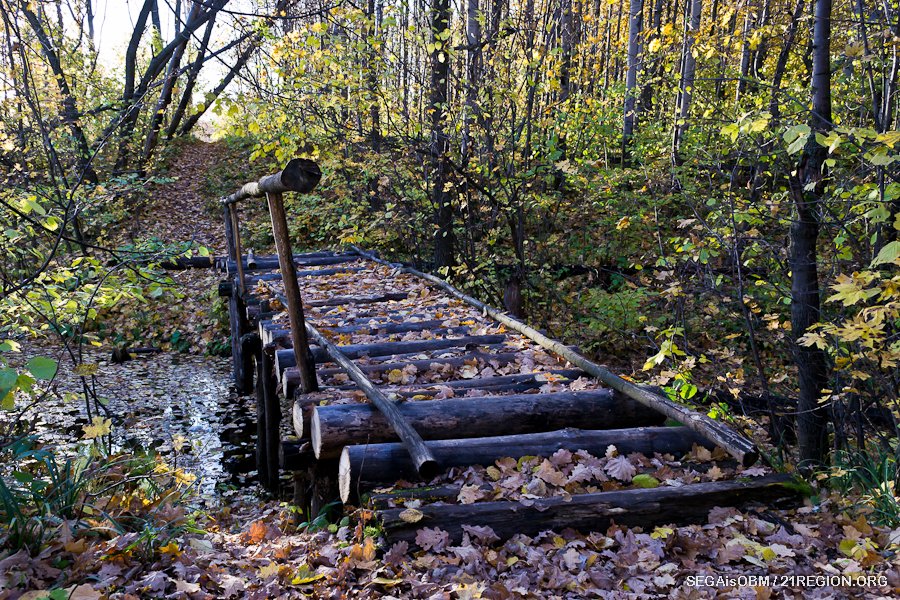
290 377
347 300
284 357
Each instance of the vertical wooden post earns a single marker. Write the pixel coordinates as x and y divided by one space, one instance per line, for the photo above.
229 234
302 355
236 241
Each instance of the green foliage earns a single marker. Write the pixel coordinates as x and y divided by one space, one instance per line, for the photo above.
873 473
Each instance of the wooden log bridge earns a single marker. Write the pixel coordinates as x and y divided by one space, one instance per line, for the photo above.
391 378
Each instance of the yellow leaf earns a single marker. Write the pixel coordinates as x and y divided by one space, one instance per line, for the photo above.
269 570
98 427
171 548
411 515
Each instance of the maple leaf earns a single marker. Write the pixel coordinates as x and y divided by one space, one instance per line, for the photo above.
432 539
270 570
468 372
620 468
231 585
98 427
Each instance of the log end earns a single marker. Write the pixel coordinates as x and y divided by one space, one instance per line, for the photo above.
345 476
750 457
428 468
301 175
315 434
297 420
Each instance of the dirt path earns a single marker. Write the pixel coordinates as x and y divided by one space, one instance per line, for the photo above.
180 211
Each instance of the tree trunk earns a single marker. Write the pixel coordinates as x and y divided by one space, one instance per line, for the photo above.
69 110
685 90
634 33
807 187
165 95
440 79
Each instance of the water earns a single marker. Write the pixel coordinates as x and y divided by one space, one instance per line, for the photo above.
155 401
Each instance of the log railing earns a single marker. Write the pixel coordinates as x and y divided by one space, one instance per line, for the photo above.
301 176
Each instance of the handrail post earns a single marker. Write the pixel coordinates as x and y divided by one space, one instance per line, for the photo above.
236 233
308 382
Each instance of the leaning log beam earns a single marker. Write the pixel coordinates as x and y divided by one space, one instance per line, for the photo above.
366 466
593 512
387 409
336 426
735 444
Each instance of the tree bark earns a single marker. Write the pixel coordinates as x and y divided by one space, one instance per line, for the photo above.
634 32
807 187
444 251
336 426
685 90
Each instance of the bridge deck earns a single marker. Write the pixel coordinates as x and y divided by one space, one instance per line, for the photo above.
478 391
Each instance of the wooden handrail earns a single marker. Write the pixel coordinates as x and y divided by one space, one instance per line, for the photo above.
300 175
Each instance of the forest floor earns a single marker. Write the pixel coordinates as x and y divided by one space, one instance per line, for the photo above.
243 544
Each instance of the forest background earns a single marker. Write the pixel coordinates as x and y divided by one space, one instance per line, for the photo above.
704 194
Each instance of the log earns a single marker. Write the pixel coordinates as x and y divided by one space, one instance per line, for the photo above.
290 377
594 512
186 262
393 348
366 466
252 279
336 426
742 449
268 263
270 331
388 410
374 299
299 175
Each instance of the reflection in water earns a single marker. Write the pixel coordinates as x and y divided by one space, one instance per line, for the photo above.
153 400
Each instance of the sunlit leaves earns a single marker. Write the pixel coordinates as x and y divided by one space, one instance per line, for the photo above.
42 367
98 427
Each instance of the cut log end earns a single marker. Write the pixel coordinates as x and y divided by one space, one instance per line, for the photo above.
345 476
315 434
297 420
301 175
